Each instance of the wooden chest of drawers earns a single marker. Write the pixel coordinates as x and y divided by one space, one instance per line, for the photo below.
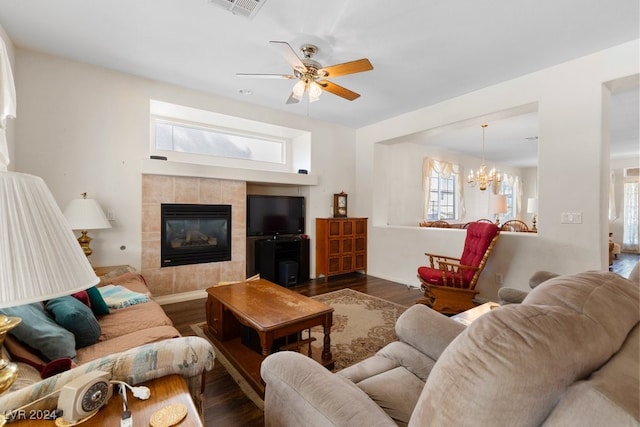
341 246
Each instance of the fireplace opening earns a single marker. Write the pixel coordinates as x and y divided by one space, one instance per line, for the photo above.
194 234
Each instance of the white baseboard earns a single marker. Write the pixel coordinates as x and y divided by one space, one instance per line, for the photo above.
181 297
394 279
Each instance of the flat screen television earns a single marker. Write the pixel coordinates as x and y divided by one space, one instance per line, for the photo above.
275 215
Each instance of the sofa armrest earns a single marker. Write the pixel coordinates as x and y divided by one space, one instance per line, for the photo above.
299 391
427 330
186 356
511 296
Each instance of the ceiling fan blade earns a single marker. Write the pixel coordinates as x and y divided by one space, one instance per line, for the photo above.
352 67
289 54
292 99
338 90
266 76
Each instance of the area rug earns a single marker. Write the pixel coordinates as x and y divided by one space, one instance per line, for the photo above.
362 325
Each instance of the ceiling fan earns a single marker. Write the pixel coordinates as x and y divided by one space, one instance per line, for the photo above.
311 75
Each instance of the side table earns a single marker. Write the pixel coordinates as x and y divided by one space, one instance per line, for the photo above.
165 391
103 270
471 315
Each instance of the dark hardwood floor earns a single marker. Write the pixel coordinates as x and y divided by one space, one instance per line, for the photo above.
224 403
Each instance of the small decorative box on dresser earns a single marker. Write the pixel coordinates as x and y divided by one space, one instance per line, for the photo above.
341 246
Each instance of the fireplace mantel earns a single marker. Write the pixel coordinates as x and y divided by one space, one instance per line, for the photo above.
167 168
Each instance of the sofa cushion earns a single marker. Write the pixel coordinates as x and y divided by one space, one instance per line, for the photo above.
41 332
427 330
133 319
610 396
517 353
126 342
396 391
75 317
608 299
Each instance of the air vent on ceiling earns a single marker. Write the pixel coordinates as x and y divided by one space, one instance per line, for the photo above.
632 172
247 8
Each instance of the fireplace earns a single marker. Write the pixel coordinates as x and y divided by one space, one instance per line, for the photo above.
194 234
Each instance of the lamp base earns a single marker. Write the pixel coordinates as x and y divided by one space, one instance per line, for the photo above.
84 241
8 370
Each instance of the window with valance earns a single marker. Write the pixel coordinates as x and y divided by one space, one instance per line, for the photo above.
442 189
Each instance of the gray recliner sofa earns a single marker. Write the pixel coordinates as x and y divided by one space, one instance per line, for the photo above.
568 355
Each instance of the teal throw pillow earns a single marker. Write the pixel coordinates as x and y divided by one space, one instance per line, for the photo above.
41 332
98 305
76 317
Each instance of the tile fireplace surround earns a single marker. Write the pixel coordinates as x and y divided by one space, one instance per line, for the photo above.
157 189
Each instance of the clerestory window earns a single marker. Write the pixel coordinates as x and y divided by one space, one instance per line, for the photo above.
209 141
192 135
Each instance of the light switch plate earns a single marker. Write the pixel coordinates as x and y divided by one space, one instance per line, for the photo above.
571 218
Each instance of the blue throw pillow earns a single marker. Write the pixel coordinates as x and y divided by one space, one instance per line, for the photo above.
76 317
41 332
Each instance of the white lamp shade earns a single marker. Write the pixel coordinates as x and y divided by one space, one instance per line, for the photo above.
40 257
499 204
532 205
86 214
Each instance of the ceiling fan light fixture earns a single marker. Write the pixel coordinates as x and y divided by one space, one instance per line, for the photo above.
298 89
311 74
314 91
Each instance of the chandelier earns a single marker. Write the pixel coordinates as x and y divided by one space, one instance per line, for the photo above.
481 176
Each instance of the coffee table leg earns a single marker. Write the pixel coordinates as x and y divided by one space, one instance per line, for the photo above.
266 339
326 350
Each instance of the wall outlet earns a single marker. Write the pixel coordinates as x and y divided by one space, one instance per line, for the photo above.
499 279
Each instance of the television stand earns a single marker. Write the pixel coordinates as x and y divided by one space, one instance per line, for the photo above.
284 260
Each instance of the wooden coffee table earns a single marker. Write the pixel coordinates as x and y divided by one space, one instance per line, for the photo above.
275 314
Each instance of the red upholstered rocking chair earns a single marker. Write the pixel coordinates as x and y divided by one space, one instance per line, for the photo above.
449 283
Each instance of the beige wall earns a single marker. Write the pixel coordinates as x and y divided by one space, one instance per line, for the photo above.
84 128
573 164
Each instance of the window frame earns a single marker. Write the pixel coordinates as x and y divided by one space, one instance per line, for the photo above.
219 130
449 194
296 150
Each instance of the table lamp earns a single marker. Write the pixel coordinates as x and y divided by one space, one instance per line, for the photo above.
532 207
499 206
83 215
39 256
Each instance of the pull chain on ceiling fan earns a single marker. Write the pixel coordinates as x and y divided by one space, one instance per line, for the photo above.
311 75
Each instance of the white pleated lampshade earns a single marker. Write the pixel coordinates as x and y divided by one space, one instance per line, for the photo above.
86 214
40 257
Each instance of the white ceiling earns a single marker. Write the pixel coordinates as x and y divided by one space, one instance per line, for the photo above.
423 52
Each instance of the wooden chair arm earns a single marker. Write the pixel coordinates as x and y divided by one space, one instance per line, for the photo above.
434 258
454 271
